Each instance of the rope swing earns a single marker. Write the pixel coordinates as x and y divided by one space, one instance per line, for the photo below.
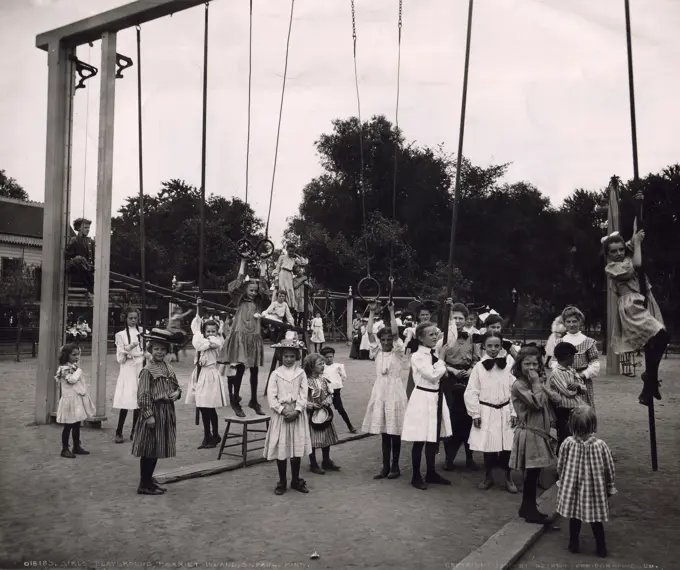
142 234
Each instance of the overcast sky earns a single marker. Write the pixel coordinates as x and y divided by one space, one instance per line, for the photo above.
548 91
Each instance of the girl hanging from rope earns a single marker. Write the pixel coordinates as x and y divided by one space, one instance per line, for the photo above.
130 356
244 346
638 324
206 389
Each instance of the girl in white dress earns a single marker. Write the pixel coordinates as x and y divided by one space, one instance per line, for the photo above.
387 405
424 422
206 389
130 356
75 404
317 332
288 436
487 399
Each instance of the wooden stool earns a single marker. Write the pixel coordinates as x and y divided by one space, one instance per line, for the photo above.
245 422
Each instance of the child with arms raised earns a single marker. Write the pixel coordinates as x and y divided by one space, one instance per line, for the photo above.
586 470
387 404
487 398
288 437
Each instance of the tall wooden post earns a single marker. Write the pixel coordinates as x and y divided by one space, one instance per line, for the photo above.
55 220
350 317
613 224
100 326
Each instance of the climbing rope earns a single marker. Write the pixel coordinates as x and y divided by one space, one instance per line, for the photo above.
278 130
250 84
142 233
87 122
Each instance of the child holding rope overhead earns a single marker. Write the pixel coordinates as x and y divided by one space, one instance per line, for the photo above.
75 404
244 345
586 471
130 356
288 436
157 393
205 387
387 404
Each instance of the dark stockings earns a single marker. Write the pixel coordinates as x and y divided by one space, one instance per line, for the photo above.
598 533
416 457
295 468
654 351
147 465
451 447
66 433
337 404
281 466
210 420
391 445
122 416
529 492
500 459
235 382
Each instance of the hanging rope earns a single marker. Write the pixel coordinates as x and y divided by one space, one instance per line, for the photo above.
361 143
250 83
142 234
87 122
201 246
278 130
396 149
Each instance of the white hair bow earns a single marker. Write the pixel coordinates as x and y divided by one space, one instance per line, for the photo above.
611 235
485 316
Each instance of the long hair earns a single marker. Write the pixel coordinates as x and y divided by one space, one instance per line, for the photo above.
524 353
310 363
582 422
65 352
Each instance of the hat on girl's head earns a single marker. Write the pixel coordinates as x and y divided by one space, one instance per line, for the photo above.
321 418
427 305
165 337
290 341
327 350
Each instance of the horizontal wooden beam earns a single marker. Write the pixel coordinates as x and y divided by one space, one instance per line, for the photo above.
91 29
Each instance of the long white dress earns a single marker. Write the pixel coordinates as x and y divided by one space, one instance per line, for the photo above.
492 387
317 331
387 404
420 419
207 390
130 356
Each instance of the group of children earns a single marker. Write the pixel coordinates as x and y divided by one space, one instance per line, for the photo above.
499 398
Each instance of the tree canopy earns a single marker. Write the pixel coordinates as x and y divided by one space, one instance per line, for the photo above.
10 188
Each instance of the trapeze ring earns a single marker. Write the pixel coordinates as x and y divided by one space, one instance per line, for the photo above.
245 249
368 289
265 248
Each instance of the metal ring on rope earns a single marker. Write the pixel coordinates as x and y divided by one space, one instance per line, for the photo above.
245 249
368 289
265 248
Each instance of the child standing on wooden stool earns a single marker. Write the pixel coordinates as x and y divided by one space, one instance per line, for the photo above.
75 404
319 401
586 470
206 389
335 374
387 405
532 444
288 436
487 398
157 393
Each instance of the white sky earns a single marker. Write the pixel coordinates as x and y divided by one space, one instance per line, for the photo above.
548 91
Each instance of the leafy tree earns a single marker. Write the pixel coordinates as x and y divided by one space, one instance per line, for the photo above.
10 188
18 291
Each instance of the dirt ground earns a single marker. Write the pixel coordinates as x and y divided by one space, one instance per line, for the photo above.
86 513
642 531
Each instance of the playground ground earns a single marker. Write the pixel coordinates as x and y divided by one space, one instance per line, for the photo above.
85 512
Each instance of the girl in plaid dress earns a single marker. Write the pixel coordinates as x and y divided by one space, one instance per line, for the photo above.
586 479
587 358
157 392
320 396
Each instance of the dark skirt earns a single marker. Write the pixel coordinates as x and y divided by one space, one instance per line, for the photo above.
461 422
322 438
160 441
354 351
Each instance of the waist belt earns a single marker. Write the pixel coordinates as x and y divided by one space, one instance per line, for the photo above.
495 406
460 366
434 390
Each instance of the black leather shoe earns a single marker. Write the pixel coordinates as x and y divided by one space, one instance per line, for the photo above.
148 491
419 484
436 479
257 408
384 472
299 485
154 482
78 450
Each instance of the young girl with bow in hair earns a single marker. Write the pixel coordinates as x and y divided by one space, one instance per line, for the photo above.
487 399
244 346
532 446
638 324
75 404
387 404
424 312
206 389
130 356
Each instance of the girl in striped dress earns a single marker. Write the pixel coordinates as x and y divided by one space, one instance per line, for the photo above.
205 387
320 396
586 470
130 356
487 399
587 358
157 392
75 404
